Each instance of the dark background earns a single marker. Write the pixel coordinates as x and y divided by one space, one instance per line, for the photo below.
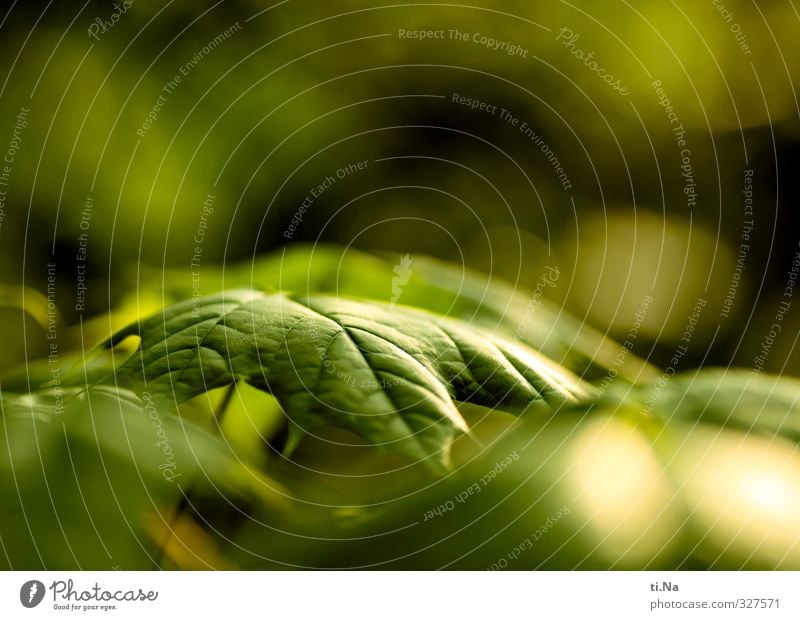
305 88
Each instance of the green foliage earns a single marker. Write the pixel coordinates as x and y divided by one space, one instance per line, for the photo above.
388 373
456 424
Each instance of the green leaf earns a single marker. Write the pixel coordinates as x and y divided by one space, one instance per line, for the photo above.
433 285
388 373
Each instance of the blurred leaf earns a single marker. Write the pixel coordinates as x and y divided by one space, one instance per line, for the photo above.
84 472
755 403
31 302
188 546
